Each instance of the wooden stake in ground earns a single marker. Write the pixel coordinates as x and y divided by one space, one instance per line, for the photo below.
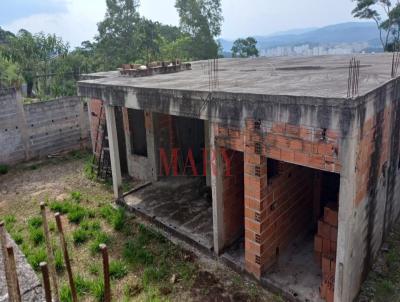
3 243
46 281
50 255
14 277
106 273
66 257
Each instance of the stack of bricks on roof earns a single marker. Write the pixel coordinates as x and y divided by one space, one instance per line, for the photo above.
137 70
293 144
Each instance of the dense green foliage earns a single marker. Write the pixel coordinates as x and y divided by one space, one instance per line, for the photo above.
9 73
36 56
202 21
118 38
386 15
50 68
244 48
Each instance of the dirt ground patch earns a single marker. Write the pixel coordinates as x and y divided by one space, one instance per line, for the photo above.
147 266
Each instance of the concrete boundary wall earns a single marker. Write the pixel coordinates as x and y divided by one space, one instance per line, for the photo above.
37 130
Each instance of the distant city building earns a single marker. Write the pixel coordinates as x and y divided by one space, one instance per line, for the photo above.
318 50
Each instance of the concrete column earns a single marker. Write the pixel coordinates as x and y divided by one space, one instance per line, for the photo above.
350 244
152 152
114 151
207 147
216 180
127 133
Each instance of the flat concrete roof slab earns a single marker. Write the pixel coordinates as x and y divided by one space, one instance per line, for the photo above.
319 76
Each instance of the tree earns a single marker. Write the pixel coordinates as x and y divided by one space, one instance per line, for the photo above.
4 36
22 50
50 48
89 58
244 48
177 49
149 40
385 14
202 20
35 55
118 38
9 73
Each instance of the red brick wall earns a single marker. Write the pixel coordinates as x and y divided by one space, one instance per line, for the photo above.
233 198
165 124
230 138
289 205
307 146
277 209
165 136
284 213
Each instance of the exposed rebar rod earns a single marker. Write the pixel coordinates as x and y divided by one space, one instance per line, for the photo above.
353 78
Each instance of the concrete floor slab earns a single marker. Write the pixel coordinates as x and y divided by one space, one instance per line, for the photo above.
234 255
176 204
296 275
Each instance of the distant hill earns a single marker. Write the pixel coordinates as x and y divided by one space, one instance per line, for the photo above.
344 33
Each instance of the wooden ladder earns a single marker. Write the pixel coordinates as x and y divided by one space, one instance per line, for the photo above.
102 160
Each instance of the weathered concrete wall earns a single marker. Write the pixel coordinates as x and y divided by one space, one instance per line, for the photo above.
39 129
376 203
12 140
141 167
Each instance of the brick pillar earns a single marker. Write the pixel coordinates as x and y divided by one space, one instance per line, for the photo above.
255 192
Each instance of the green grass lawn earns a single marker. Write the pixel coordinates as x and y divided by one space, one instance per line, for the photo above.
383 282
144 265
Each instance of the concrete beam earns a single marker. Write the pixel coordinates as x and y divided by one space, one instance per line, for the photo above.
114 151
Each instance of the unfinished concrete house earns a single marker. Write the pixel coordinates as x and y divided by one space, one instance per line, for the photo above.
286 168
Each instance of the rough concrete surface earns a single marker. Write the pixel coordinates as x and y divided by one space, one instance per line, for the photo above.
29 131
319 76
175 203
30 285
296 273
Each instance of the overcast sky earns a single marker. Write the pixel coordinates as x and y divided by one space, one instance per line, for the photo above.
75 20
